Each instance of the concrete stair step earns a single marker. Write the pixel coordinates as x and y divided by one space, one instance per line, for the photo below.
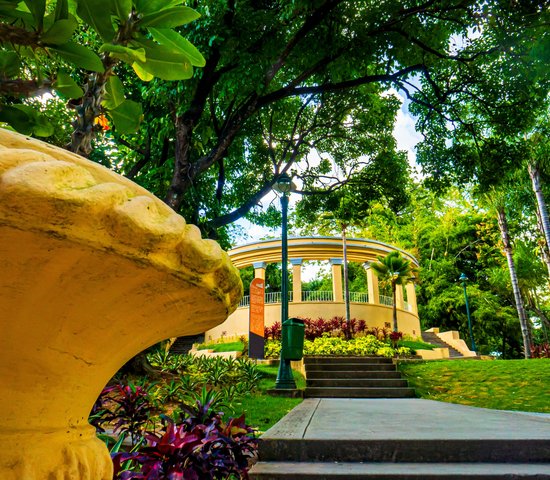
357 382
360 367
182 345
432 338
348 360
353 374
402 471
358 392
419 450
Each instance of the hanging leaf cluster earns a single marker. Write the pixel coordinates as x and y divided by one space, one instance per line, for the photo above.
140 33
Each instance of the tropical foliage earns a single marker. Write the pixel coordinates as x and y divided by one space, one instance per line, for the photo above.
73 47
175 425
394 269
281 83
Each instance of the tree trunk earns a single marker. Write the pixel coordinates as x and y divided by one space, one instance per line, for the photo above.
84 128
393 290
503 226
542 212
346 282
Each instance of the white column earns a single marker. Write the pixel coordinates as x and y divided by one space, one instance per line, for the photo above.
296 279
399 300
337 290
411 297
372 285
259 270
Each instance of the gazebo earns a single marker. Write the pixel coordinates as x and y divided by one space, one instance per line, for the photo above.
371 306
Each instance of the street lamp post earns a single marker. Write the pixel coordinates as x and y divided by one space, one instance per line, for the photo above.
463 278
285 380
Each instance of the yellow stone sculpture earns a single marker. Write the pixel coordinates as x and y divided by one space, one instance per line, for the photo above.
93 270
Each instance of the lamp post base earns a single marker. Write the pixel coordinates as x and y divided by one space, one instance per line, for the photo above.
285 380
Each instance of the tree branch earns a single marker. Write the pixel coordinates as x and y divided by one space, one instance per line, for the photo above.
312 21
334 87
244 208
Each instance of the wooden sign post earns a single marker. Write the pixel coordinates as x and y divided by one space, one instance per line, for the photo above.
256 329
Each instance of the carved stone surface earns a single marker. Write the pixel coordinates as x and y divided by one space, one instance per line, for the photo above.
93 270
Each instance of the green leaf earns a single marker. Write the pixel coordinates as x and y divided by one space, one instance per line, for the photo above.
149 6
25 119
43 127
26 18
10 64
169 18
177 43
79 56
9 5
18 119
114 93
38 10
66 86
97 13
122 8
127 116
163 63
126 54
61 10
142 73
60 32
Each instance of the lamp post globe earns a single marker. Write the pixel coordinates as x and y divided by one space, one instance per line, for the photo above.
283 184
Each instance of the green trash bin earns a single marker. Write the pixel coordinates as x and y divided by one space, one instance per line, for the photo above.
294 330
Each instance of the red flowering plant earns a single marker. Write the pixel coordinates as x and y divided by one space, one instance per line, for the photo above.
200 446
200 451
540 351
395 337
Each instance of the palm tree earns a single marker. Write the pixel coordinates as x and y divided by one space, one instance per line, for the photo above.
395 270
496 199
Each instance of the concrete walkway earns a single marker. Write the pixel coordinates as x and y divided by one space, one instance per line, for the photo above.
408 419
395 432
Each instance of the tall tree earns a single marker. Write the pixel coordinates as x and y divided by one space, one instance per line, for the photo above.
310 63
537 160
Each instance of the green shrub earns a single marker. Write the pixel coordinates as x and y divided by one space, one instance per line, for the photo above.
272 349
327 345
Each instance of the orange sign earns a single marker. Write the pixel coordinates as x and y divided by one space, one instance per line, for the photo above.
257 303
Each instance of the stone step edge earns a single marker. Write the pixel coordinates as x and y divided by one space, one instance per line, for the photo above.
381 471
357 384
346 376
405 450
358 389
350 367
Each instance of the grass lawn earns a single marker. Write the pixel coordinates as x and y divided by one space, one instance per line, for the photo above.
416 345
222 347
262 410
498 384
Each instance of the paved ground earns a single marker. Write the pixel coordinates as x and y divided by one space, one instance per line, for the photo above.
409 419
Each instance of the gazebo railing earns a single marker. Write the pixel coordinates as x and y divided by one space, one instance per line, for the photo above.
317 296
385 300
324 296
359 297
